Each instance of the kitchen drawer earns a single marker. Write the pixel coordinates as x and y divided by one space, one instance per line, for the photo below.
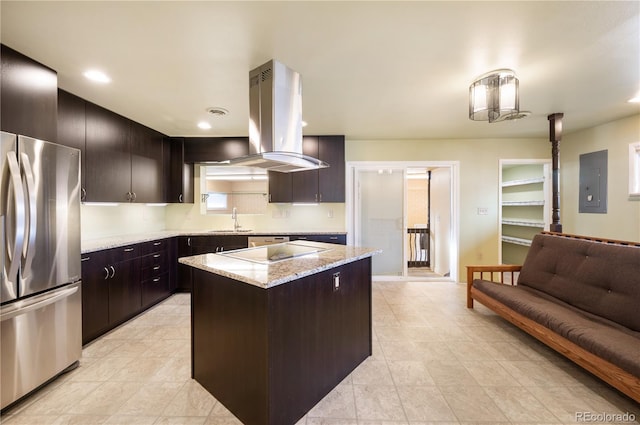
337 239
155 289
158 257
124 252
155 270
153 246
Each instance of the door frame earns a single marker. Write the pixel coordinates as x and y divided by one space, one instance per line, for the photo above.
454 236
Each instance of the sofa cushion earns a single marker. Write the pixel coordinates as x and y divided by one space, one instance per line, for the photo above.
605 339
596 277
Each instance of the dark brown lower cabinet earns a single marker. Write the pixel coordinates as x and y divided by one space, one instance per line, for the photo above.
270 355
95 295
124 291
203 244
183 283
119 283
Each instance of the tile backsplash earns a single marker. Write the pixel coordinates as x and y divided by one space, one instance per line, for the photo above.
101 221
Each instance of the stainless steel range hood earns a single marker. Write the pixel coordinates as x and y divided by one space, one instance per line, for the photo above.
275 121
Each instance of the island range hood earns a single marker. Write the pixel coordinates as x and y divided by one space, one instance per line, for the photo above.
275 121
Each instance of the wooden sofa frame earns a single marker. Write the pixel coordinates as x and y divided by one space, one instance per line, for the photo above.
624 381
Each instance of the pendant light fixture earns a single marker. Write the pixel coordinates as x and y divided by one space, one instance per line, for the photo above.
494 96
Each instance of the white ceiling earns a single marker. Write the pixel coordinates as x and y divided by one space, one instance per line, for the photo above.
370 70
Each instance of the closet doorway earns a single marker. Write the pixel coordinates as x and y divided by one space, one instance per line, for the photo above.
409 211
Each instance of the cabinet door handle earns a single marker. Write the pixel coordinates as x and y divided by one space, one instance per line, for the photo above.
156 268
128 249
113 272
333 238
157 243
133 197
83 194
156 280
156 255
188 241
106 273
85 259
180 198
302 238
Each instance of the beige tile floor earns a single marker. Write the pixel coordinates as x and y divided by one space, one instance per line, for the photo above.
434 362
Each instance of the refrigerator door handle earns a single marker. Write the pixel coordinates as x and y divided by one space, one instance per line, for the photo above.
32 221
18 220
22 307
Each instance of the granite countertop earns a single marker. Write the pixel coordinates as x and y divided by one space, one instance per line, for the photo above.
92 245
273 274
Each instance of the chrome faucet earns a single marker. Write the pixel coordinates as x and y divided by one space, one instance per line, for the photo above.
234 216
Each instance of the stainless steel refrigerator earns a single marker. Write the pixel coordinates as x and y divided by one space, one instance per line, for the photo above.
40 293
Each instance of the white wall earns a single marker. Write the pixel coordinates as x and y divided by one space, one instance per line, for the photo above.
440 231
622 220
479 178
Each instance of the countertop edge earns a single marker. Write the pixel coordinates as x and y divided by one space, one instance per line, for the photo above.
99 244
196 261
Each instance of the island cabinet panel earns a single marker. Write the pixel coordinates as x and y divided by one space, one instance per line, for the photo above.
270 355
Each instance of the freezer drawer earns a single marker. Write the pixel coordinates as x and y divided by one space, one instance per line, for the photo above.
40 337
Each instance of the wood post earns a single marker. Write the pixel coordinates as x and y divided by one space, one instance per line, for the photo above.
555 135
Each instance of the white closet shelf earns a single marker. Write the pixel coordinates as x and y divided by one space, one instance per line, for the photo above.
523 182
516 241
521 203
522 222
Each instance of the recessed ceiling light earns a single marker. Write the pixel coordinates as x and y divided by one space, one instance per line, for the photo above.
97 76
204 125
304 123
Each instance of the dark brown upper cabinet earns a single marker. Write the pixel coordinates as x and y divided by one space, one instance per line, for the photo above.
108 156
331 181
28 96
214 149
147 170
305 183
280 187
71 128
180 174
323 185
122 161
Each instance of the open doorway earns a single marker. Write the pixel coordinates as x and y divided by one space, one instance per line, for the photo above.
409 210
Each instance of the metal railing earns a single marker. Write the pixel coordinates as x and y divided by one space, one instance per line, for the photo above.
418 247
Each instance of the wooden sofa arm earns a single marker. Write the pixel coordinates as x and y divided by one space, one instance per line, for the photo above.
496 274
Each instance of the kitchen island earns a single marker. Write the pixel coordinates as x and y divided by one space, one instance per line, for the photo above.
276 328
